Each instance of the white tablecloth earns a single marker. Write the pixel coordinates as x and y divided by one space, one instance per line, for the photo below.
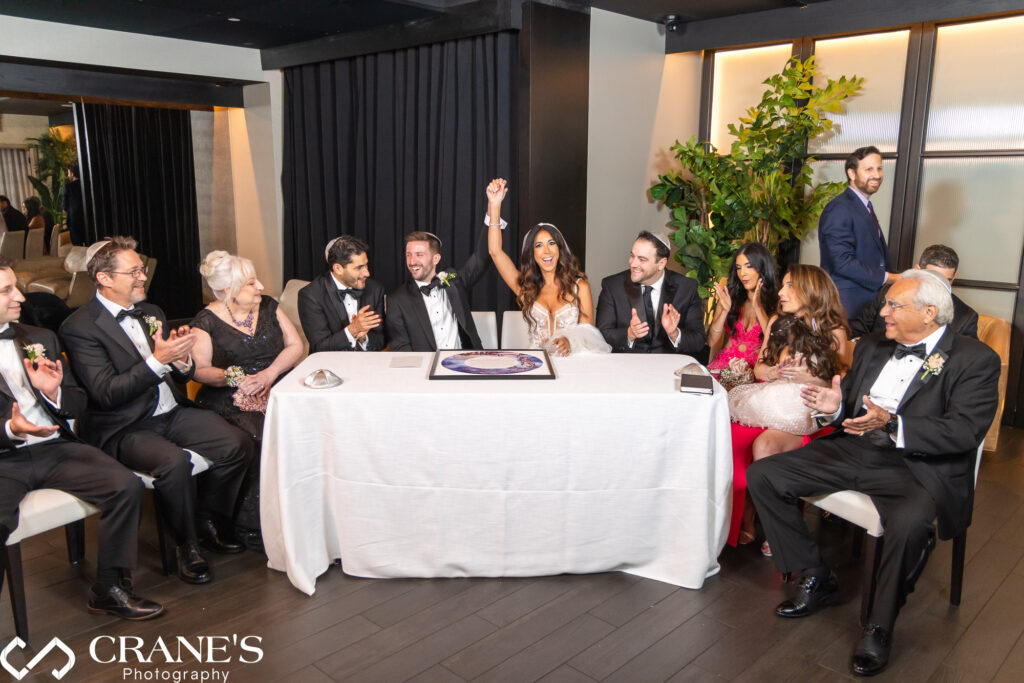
605 468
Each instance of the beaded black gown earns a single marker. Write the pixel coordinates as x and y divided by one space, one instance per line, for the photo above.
232 345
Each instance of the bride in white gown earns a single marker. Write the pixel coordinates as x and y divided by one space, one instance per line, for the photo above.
549 286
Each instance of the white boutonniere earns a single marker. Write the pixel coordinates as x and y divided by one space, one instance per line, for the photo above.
34 352
447 277
933 365
153 323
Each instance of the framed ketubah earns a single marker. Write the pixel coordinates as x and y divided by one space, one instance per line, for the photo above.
503 364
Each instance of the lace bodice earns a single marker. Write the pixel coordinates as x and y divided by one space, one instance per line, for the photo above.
566 316
745 344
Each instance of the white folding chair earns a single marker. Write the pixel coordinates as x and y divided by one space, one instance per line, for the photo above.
487 327
856 507
39 511
515 333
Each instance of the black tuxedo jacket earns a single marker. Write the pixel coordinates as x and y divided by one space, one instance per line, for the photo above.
122 389
852 252
965 318
945 417
620 295
324 317
408 323
72 398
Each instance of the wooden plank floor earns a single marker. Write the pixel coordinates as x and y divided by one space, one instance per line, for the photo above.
603 627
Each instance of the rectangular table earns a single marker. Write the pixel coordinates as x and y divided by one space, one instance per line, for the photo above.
605 468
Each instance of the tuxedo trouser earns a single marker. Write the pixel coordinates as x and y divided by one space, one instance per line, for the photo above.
907 510
85 472
154 446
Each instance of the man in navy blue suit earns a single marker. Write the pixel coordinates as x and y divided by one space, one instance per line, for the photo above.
853 249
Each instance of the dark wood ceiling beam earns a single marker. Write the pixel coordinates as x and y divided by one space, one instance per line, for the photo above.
825 18
459 21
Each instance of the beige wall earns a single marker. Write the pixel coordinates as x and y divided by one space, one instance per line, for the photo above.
14 128
255 156
641 102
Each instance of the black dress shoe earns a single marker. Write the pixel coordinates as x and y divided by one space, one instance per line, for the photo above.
125 604
211 539
872 651
192 567
812 593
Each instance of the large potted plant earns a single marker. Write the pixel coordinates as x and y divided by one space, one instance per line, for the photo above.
56 154
762 189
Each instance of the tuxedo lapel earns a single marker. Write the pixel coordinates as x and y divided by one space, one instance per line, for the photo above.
868 373
106 322
335 305
6 389
635 300
458 305
668 295
944 346
419 310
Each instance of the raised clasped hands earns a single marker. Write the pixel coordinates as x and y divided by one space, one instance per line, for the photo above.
176 348
364 321
874 418
45 375
20 425
496 191
636 329
823 400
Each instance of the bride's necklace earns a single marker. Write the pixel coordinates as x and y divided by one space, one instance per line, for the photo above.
246 324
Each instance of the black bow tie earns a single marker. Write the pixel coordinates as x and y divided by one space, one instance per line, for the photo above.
7 334
136 313
354 293
435 283
903 350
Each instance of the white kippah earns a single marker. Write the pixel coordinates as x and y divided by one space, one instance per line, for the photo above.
663 239
327 249
439 242
93 248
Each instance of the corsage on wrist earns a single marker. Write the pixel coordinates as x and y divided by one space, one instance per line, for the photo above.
234 375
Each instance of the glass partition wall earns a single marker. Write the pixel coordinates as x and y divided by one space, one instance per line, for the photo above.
945 105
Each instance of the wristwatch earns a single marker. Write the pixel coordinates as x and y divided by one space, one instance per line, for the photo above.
892 426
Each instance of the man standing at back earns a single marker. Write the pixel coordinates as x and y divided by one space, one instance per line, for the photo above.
853 249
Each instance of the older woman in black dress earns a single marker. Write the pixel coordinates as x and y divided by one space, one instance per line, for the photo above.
244 343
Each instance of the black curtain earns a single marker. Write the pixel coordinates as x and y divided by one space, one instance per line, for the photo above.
139 180
380 145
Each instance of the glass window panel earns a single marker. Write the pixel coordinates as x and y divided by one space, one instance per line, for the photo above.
988 301
872 117
975 206
739 76
834 171
977 96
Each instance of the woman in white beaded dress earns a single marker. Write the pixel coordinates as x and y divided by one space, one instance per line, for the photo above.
550 288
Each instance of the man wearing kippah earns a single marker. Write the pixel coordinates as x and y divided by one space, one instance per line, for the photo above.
648 309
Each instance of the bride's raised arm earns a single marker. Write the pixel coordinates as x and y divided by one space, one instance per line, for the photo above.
496 191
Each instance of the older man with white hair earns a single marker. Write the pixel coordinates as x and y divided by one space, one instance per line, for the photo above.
909 416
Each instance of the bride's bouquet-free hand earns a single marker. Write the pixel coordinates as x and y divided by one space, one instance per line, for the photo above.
249 403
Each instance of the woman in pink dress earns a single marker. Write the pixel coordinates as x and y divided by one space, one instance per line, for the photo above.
745 305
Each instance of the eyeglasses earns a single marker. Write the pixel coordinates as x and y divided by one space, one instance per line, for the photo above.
894 305
134 272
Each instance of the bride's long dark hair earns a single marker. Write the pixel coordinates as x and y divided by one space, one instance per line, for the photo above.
531 279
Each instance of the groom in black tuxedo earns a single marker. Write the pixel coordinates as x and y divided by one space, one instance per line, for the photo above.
431 311
129 365
343 309
648 309
909 416
39 450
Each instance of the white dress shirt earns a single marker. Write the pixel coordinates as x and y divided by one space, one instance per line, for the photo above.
442 318
659 305
351 308
13 371
140 340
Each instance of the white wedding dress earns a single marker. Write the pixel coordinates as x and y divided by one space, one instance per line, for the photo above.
582 338
775 405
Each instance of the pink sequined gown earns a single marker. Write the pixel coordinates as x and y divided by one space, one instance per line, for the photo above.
743 344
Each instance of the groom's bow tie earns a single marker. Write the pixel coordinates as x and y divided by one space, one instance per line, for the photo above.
8 334
902 350
354 293
136 313
435 283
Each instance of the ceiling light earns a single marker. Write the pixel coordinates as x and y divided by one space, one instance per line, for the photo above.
233 19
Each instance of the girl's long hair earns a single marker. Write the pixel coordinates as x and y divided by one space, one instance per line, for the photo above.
763 262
